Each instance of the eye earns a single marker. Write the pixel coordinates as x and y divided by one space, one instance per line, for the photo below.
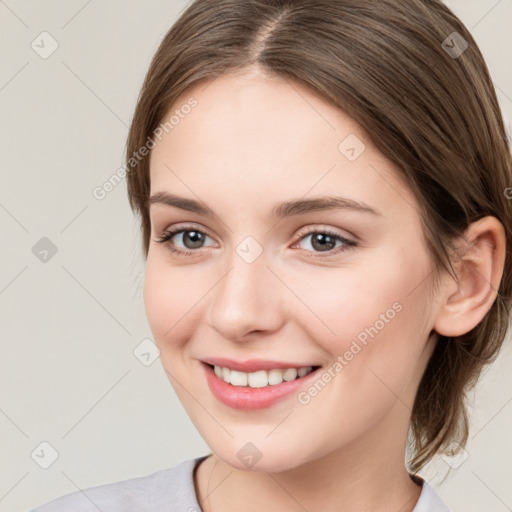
321 241
189 236
325 241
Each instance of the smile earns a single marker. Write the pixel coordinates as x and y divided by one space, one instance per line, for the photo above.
255 390
261 378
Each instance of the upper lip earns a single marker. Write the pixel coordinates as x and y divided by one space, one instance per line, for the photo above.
252 365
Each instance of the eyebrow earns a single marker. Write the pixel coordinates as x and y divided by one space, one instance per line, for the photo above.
285 209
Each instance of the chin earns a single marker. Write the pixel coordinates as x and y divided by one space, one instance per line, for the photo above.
267 459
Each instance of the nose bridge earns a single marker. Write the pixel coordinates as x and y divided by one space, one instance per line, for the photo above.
246 297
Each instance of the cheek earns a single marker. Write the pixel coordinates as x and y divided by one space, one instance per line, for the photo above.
344 301
172 300
374 314
375 351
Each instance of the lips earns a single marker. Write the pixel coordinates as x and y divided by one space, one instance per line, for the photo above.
254 365
247 398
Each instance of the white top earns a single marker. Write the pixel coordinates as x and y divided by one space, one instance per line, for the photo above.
171 490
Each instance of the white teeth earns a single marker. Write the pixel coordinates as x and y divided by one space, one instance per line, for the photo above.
257 379
261 378
290 374
275 377
303 371
238 378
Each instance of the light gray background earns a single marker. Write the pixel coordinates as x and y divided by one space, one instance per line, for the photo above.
69 326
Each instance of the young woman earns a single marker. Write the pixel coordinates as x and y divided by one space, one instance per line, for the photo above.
322 188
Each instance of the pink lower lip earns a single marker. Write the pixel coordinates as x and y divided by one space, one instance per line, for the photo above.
241 397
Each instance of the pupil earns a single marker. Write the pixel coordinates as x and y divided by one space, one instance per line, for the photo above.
321 241
195 237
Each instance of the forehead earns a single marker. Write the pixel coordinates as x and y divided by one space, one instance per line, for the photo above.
256 137
254 109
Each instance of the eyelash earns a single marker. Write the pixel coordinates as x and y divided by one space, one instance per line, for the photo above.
168 234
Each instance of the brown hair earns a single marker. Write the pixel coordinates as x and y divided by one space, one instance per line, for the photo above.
391 66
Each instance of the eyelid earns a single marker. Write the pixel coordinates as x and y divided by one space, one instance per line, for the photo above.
322 228
185 227
310 228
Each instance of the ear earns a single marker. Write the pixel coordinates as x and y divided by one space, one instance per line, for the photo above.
479 266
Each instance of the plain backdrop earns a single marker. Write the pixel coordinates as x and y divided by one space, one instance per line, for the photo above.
73 395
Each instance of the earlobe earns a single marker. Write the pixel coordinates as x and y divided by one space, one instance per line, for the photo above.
479 267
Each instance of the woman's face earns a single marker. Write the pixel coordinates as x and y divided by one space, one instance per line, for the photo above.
256 286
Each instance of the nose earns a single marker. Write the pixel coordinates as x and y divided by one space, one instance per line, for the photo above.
248 299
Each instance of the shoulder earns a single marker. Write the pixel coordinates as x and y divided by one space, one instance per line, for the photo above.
429 500
168 489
